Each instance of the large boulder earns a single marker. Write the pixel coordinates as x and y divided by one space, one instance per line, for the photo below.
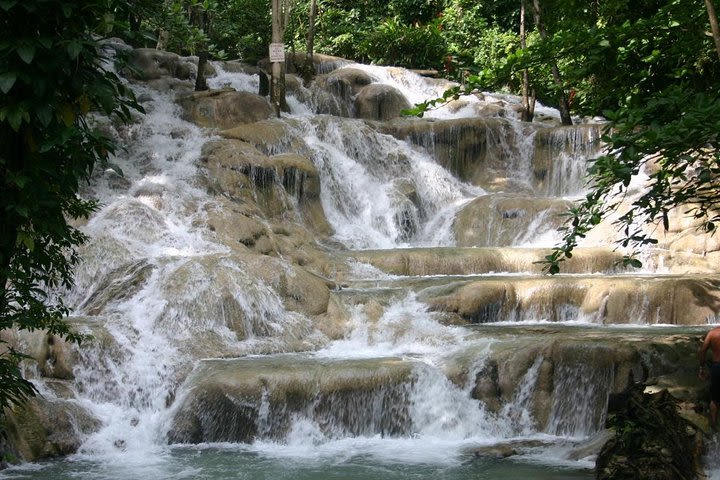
163 71
151 64
335 93
380 102
224 109
506 220
42 428
285 185
345 83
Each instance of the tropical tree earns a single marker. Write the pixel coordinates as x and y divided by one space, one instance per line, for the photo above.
651 68
53 74
655 77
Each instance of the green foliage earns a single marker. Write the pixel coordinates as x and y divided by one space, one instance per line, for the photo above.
236 28
399 32
474 44
415 12
52 77
656 78
244 28
182 27
400 44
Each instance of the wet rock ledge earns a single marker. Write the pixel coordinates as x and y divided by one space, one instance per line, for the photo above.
652 440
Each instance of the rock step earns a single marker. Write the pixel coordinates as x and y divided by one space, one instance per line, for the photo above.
567 374
613 299
242 399
466 261
574 369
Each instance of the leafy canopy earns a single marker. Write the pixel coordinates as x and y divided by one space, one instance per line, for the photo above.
651 70
53 74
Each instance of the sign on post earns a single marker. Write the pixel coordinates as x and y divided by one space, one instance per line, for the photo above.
277 52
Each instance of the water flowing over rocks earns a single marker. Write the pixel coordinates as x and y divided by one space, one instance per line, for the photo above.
502 219
340 276
239 400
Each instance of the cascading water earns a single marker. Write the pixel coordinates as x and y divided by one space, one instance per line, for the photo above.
221 352
394 195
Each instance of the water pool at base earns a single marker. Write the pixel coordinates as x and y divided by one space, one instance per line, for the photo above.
212 463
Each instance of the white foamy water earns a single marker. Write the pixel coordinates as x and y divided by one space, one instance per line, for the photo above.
159 293
406 327
378 192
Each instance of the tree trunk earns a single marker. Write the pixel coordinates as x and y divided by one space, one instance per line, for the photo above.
277 79
528 111
563 104
713 25
203 24
308 71
162 41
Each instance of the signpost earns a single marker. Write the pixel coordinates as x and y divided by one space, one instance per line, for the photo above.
277 52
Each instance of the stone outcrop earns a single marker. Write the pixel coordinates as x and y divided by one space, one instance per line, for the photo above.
334 93
476 150
468 261
504 220
43 428
224 109
284 187
151 64
572 373
53 355
263 135
163 71
380 102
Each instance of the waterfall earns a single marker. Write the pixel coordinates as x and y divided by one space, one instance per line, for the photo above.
396 192
241 316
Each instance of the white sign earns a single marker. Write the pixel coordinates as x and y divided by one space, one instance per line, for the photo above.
277 52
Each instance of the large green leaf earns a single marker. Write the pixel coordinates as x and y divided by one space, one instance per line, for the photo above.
7 80
26 51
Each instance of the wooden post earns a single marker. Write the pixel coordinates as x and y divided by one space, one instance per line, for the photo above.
202 21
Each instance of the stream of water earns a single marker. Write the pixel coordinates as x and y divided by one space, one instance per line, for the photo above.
164 296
